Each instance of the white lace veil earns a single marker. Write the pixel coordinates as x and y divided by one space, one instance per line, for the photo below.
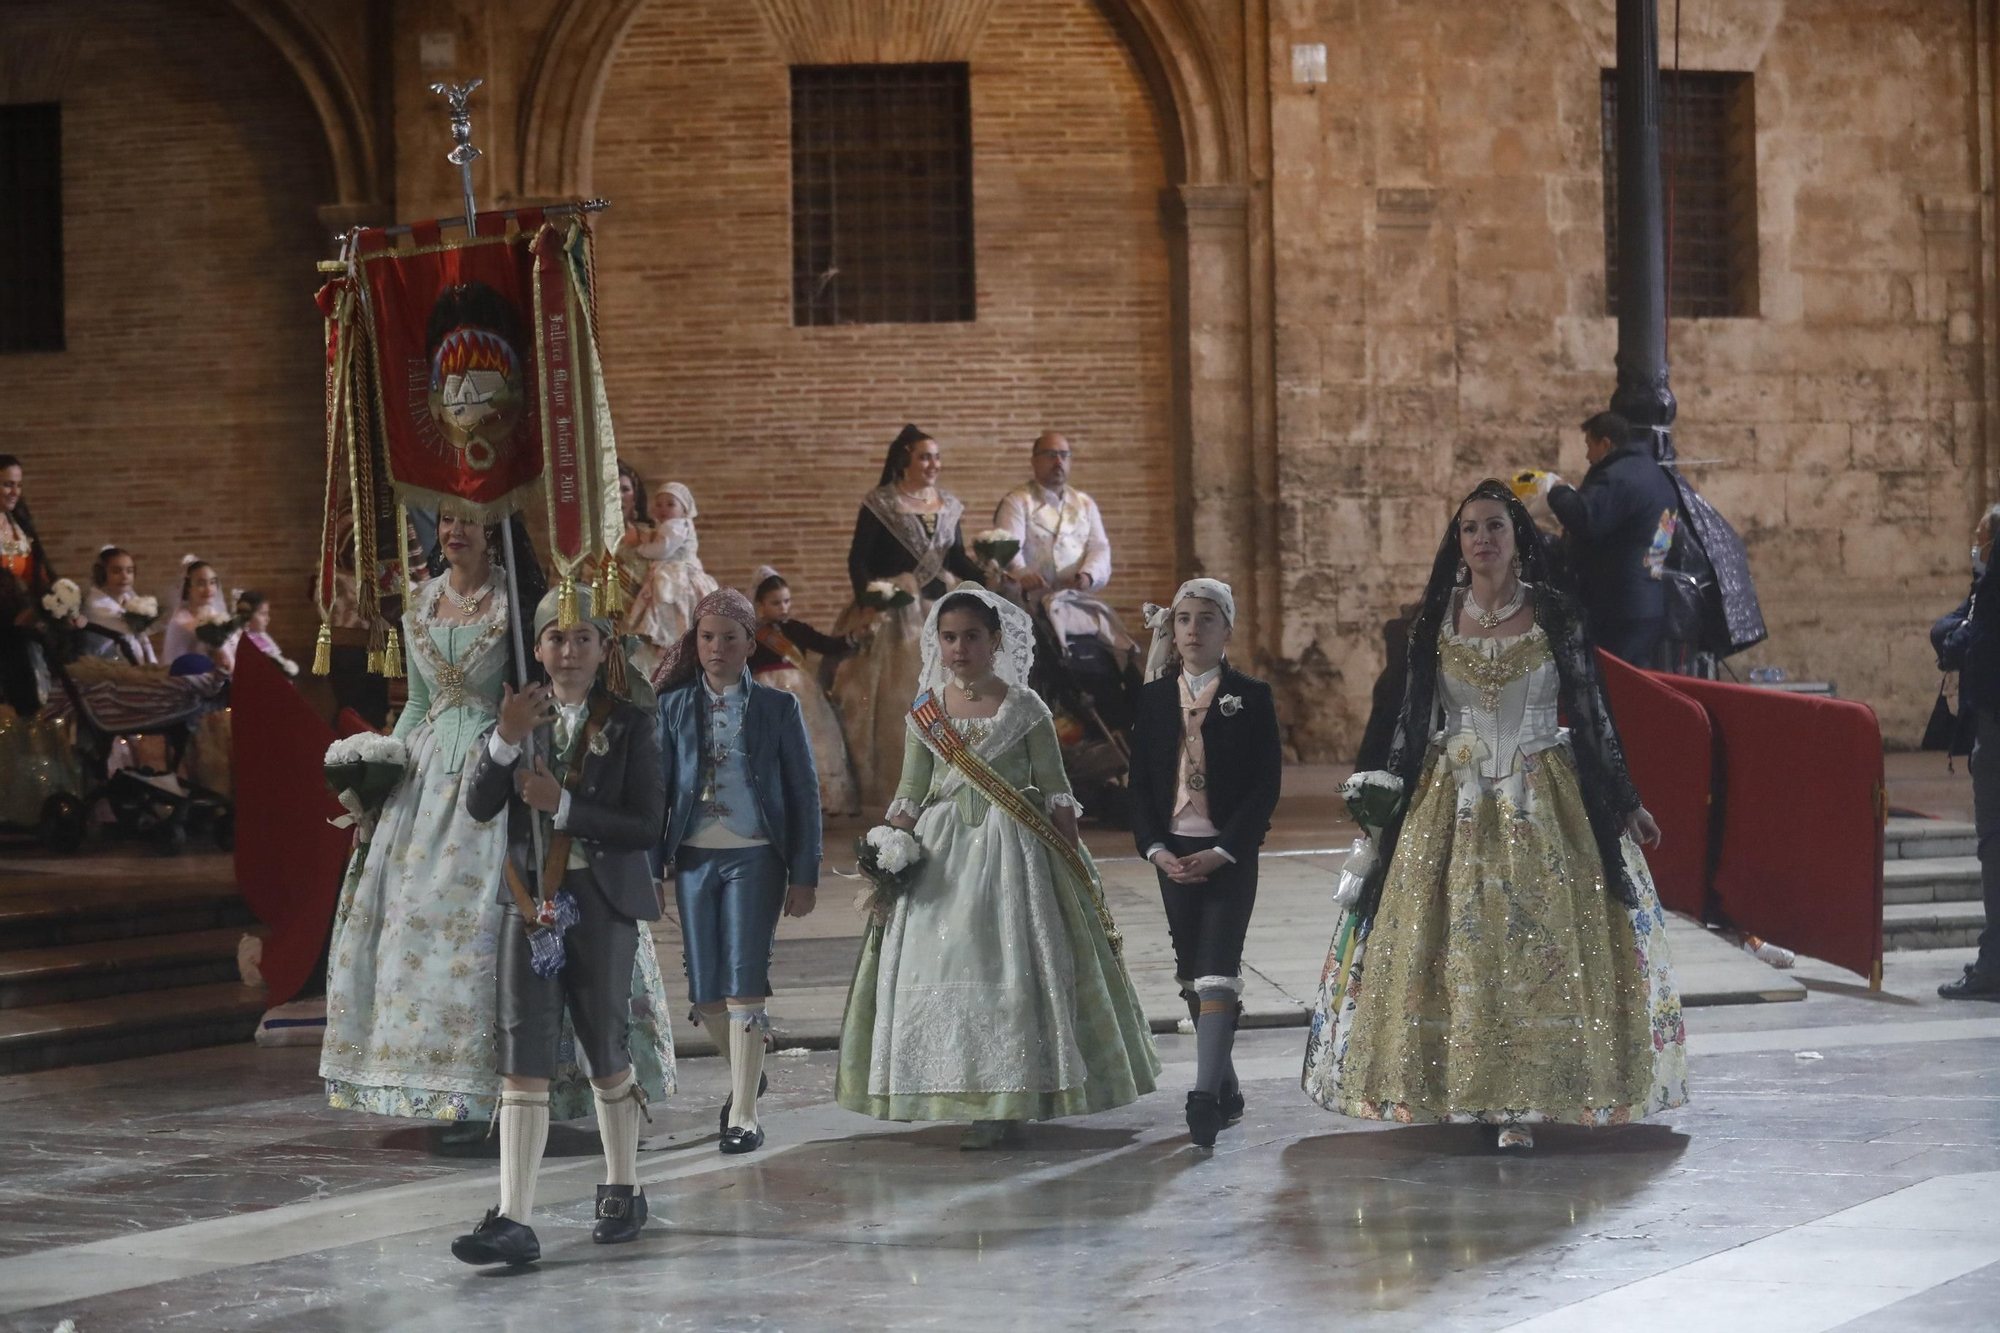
1017 641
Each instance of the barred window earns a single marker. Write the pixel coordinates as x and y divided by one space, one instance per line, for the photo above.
1708 158
881 194
31 253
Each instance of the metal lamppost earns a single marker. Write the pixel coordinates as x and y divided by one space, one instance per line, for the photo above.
1643 397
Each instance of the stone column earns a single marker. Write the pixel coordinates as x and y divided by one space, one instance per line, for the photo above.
1208 242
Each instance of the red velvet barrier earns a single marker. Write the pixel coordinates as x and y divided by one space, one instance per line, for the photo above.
288 858
1670 748
1801 819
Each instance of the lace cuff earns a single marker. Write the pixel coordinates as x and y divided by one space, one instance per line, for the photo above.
1062 800
902 805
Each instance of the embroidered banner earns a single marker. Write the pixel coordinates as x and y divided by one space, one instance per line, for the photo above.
454 368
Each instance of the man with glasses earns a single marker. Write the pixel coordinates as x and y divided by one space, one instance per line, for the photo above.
1065 557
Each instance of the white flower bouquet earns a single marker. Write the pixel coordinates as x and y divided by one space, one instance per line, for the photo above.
140 612
885 595
996 545
216 628
1373 799
888 858
362 770
63 600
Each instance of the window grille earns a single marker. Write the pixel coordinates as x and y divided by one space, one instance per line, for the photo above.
881 194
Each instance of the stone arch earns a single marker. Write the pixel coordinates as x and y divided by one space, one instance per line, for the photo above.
1177 52
342 110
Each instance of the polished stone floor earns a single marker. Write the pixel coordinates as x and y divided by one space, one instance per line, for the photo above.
1839 1169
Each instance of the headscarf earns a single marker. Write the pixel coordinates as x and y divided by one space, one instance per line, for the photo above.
677 538
1160 655
618 677
900 449
681 493
763 575
680 662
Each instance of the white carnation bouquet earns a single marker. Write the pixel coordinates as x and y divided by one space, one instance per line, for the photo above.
63 600
216 628
997 546
885 595
140 612
362 770
1374 798
888 858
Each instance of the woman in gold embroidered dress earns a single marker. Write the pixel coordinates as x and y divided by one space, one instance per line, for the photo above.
1504 961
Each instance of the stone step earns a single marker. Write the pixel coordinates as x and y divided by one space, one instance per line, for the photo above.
1944 879
64 972
42 912
1949 925
1913 839
119 1027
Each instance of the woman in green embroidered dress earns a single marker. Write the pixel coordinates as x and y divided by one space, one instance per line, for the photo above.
410 994
992 990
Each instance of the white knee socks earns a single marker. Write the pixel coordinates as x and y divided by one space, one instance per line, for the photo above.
524 1132
746 1062
618 1112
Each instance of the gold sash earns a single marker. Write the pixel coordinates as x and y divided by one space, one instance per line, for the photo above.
944 738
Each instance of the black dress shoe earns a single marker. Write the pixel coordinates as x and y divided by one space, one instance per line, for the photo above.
497 1240
736 1140
621 1211
1231 1102
722 1121
1976 984
1204 1118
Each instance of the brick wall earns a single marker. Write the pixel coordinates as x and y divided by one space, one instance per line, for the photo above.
1440 285
779 430
184 415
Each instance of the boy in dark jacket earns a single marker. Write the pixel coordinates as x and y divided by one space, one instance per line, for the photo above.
1207 762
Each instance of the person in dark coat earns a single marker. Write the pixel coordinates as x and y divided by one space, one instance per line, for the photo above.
1207 764
1968 641
1620 526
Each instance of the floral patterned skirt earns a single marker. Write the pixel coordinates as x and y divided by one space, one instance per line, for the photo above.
873 688
1499 982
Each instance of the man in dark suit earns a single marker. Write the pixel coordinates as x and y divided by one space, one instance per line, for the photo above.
1207 761
570 934
742 836
1620 526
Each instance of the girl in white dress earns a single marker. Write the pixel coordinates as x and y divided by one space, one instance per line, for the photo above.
675 581
201 600
114 578
993 989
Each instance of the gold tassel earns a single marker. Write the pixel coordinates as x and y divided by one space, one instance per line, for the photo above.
566 616
323 651
378 641
392 655
614 667
611 601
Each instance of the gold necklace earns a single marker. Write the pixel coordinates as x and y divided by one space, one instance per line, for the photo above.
469 603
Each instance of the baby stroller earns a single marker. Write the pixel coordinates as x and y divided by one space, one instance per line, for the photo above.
106 701
1094 698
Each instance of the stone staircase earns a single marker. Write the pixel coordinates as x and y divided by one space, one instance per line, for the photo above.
1930 885
115 955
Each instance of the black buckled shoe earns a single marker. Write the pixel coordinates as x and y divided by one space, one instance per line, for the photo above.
1975 984
1204 1118
722 1121
736 1141
497 1240
621 1211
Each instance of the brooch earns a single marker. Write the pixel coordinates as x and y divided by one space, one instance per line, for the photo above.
1230 704
600 745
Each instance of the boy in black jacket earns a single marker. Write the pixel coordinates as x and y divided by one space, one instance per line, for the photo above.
1207 762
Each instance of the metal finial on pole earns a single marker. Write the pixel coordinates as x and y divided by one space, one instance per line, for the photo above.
462 152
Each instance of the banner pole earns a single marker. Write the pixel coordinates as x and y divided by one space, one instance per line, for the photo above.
461 155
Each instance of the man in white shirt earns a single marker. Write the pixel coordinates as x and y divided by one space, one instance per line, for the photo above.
1065 557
